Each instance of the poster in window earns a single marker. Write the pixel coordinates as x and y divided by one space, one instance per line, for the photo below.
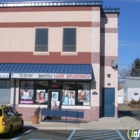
71 97
46 96
68 97
55 104
55 96
65 100
40 96
83 95
26 92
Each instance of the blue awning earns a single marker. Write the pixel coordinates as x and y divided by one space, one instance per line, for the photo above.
47 71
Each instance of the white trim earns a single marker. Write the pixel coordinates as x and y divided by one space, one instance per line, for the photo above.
40 53
32 106
75 107
63 107
50 76
4 75
69 53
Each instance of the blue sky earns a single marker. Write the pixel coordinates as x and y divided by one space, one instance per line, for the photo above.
129 30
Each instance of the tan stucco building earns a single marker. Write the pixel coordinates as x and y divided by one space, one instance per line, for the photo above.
59 48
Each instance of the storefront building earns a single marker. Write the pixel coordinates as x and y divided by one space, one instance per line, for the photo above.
59 54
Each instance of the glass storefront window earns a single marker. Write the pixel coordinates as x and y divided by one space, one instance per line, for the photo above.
55 85
83 93
68 94
69 85
37 92
41 84
5 91
41 92
26 92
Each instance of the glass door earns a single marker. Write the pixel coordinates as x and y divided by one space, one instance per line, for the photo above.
55 99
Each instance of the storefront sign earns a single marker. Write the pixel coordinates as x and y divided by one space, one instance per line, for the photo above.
26 102
4 75
50 76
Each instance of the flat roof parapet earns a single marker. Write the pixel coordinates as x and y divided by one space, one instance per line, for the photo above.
35 3
111 10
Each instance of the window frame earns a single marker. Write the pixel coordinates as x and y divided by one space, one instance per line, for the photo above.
44 45
64 45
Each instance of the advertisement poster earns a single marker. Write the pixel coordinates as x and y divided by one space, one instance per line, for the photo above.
26 92
55 104
40 96
71 97
83 95
68 97
55 96
46 96
65 100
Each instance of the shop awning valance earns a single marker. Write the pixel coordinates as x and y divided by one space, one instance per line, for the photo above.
45 71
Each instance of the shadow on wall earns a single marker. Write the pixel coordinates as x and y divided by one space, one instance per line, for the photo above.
102 58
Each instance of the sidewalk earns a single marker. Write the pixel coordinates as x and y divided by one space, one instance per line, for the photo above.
103 123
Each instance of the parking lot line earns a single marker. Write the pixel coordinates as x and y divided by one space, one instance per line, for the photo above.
71 135
120 135
27 132
94 134
98 137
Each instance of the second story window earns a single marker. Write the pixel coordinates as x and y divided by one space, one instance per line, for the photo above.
69 40
41 40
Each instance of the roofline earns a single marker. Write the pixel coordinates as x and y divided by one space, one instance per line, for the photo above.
53 3
111 10
133 78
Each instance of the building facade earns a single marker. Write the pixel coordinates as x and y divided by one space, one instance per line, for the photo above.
131 89
62 52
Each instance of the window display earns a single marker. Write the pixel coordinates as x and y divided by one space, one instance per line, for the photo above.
83 93
40 96
55 104
40 92
26 92
55 96
68 97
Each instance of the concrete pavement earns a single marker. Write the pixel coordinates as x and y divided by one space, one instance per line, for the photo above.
124 123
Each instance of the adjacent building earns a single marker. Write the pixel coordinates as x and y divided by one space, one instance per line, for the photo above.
59 52
131 89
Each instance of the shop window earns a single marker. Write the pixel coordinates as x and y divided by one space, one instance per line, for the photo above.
36 92
76 93
69 40
5 86
83 93
26 92
41 84
41 40
68 94
41 92
55 85
69 85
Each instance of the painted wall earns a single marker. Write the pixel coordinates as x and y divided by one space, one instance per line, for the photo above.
109 52
23 39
